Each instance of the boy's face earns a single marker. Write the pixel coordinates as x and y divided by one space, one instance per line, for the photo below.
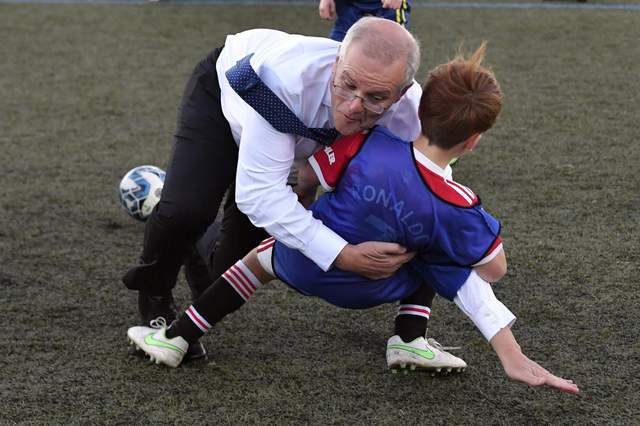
362 90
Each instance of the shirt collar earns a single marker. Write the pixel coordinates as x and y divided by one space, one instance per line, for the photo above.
446 173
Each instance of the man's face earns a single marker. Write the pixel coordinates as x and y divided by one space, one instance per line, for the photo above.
362 90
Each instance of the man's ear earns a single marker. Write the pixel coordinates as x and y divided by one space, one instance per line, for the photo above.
472 141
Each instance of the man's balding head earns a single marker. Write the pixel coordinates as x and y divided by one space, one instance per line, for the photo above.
385 41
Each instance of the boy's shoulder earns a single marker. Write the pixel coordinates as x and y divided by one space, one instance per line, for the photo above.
438 181
443 186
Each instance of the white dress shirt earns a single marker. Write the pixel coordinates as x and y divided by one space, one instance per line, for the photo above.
298 70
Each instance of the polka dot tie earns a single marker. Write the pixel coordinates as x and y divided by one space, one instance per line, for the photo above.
248 85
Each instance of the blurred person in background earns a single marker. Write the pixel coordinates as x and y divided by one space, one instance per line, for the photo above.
346 13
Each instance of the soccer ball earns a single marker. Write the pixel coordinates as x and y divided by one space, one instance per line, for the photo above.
140 191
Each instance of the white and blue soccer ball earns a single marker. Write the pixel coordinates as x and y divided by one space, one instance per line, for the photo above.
140 190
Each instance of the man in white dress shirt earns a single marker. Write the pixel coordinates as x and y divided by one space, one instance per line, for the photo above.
250 111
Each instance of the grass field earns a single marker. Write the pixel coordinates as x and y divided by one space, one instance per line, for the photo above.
88 92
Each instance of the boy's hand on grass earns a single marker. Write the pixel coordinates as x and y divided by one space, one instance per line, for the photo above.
519 367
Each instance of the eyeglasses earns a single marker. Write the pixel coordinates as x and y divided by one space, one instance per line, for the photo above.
375 107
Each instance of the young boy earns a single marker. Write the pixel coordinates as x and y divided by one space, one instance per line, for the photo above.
347 12
383 188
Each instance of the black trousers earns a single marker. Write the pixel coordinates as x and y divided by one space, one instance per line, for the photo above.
201 170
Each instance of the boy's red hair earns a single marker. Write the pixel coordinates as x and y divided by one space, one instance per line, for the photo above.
459 99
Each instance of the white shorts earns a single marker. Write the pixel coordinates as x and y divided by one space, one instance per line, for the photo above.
265 255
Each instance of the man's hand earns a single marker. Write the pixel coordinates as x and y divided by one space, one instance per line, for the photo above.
327 9
391 4
373 259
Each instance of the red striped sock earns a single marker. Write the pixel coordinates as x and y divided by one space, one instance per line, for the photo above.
197 319
419 310
223 297
242 280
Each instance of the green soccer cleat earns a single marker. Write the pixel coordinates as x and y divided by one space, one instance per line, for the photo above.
421 354
155 343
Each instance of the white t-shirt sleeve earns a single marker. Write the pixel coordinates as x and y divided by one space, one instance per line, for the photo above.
476 299
264 162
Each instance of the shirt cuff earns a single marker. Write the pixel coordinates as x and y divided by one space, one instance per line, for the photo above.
476 299
493 317
324 248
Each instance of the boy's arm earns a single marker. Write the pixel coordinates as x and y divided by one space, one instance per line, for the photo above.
519 367
326 167
307 185
493 270
327 9
330 162
392 4
476 299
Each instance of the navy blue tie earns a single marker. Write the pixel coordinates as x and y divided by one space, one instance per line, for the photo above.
248 85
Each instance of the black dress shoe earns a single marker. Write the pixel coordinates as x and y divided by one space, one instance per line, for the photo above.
195 352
